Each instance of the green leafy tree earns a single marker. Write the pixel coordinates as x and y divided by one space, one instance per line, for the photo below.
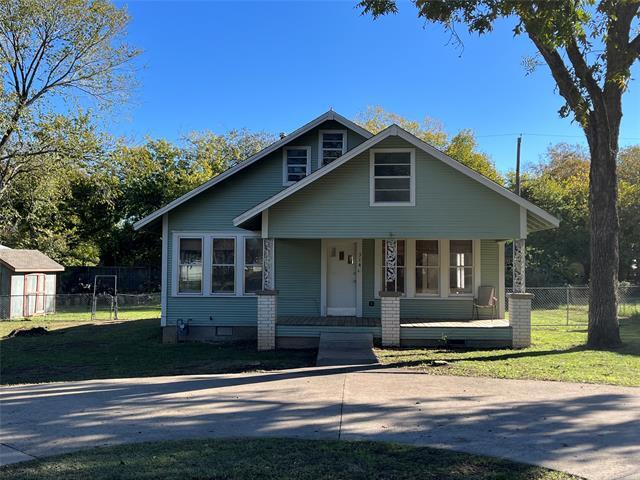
589 48
462 146
52 53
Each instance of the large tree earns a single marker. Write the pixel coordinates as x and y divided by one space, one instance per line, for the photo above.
589 48
52 54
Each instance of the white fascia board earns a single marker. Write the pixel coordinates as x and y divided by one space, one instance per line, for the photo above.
330 115
313 177
398 131
479 177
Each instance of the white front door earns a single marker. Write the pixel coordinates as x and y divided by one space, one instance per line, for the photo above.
341 277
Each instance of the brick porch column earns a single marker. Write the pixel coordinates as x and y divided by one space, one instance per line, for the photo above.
520 319
267 313
390 318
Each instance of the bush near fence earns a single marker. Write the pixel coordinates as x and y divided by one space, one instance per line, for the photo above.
569 305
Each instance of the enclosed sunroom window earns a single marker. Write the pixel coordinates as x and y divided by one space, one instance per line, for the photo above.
223 266
252 265
190 266
461 267
427 267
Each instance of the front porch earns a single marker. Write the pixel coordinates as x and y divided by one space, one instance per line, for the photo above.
303 331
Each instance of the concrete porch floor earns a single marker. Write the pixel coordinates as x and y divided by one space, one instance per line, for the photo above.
348 321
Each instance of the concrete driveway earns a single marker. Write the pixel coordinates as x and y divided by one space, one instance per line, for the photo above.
588 430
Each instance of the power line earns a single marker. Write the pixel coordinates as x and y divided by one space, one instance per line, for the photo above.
544 135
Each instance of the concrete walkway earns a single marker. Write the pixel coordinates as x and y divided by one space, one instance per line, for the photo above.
345 349
588 430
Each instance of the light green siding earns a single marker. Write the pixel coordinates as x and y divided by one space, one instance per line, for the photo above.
214 211
298 277
448 205
430 309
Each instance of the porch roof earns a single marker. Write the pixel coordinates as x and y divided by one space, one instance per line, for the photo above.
536 218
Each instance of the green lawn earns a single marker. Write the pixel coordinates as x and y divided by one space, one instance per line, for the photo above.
79 351
557 353
273 459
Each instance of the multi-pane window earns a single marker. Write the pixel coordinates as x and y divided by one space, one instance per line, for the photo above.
461 267
223 266
427 267
190 266
296 163
332 146
399 284
252 265
392 177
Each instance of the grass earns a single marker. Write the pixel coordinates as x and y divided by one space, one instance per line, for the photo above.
274 459
82 351
557 353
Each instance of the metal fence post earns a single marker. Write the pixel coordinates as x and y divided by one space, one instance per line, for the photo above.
567 296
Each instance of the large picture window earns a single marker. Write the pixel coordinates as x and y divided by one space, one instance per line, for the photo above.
333 144
461 267
392 177
427 267
252 265
399 284
223 265
190 266
297 164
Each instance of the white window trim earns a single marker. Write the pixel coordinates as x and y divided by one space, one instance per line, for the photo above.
285 170
321 150
210 240
176 264
412 248
410 259
242 262
475 269
207 243
412 182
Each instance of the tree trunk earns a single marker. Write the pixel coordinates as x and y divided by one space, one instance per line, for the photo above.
604 330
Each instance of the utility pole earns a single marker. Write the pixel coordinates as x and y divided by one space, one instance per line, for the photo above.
518 165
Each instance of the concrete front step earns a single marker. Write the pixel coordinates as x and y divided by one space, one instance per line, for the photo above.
346 349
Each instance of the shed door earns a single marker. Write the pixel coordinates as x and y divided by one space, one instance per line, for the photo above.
34 289
341 277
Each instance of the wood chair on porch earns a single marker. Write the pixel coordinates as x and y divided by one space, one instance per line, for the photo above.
486 299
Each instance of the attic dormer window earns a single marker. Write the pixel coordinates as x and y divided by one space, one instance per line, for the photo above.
392 177
333 144
296 164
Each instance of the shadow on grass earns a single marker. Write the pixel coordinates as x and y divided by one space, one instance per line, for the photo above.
129 349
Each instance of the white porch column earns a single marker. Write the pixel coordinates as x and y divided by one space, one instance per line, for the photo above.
520 319
267 299
390 300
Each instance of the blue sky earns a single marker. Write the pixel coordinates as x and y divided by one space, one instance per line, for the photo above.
276 65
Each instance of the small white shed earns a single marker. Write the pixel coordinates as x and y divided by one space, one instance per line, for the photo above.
27 283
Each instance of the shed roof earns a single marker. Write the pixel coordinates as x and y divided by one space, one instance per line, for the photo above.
24 261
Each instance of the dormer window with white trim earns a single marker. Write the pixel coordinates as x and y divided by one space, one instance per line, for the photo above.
392 176
333 144
296 164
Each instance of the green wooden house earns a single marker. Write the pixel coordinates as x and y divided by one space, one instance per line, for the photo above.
334 229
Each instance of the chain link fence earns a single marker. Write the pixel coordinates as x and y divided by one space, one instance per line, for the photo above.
79 307
569 305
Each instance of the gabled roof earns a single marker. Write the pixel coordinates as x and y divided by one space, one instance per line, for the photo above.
25 261
330 115
395 130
